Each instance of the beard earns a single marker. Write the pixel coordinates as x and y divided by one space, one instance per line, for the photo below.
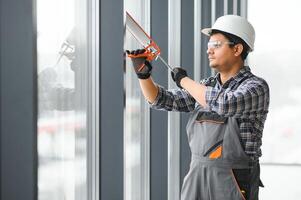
216 67
213 65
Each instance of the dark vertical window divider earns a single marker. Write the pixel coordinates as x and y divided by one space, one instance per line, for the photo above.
187 58
111 99
206 22
18 100
159 123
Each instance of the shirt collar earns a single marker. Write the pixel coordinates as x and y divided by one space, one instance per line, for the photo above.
240 75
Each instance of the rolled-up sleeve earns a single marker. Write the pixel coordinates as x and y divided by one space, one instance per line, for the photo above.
173 100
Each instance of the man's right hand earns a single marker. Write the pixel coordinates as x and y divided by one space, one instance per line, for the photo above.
177 74
142 67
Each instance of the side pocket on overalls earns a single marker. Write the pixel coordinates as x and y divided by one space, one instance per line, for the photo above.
241 178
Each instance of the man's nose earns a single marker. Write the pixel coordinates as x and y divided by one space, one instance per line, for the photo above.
209 50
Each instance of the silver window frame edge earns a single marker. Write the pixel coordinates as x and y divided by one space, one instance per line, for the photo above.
213 11
244 13
213 18
93 102
174 59
235 7
145 137
197 39
244 8
226 9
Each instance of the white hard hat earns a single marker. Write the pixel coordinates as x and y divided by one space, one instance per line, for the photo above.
235 25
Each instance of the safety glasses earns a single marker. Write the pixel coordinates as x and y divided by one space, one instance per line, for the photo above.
217 44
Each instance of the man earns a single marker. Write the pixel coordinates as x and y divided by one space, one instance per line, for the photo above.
228 114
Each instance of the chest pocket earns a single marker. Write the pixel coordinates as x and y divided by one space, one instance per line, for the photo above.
206 134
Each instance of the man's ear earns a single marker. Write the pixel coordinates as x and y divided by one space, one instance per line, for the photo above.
238 48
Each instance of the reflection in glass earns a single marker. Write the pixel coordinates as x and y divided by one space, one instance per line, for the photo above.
62 94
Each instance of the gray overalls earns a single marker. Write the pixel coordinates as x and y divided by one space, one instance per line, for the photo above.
216 151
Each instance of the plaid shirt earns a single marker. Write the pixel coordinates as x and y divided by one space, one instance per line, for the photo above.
244 97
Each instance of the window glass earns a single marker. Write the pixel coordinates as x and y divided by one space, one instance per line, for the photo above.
135 122
275 58
62 99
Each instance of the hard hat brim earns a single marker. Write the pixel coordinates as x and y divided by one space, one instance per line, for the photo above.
206 31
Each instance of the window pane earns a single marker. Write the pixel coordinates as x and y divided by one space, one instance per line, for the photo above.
136 140
62 99
276 59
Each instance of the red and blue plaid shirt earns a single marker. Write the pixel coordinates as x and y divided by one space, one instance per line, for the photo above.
244 96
